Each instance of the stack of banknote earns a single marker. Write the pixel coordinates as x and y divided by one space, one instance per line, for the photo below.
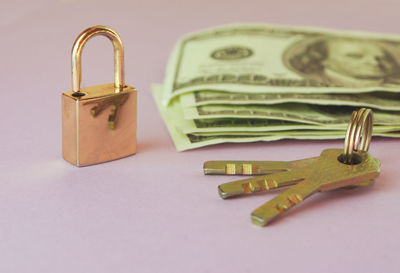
245 83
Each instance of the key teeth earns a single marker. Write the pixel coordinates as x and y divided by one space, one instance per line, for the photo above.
270 184
259 186
231 169
290 201
265 217
252 188
247 169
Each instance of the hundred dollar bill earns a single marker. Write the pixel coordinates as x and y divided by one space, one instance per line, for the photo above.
274 59
378 129
377 100
184 141
321 133
313 114
328 134
190 141
246 125
173 118
175 113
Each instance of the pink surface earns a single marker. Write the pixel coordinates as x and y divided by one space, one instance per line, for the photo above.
156 211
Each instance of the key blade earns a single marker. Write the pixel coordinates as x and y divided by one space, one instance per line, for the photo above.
288 199
244 167
271 210
260 183
253 167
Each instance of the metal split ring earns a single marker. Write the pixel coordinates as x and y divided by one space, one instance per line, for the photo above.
359 133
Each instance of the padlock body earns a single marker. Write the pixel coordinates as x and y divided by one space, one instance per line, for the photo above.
99 126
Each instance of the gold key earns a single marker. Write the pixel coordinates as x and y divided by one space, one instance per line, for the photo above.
264 183
348 168
327 173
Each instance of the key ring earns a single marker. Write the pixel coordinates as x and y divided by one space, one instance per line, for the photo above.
359 133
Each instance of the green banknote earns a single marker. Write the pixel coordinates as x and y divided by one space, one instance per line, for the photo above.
305 113
273 59
185 141
187 134
245 125
319 134
189 126
377 100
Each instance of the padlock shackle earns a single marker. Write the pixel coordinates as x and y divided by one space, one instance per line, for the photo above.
76 53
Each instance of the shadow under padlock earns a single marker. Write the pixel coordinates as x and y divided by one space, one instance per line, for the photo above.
98 122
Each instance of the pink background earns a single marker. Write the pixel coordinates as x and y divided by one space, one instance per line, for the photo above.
156 211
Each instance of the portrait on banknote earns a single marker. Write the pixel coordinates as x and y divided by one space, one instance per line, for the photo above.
345 61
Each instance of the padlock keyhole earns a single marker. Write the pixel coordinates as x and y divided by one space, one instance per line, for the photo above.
78 94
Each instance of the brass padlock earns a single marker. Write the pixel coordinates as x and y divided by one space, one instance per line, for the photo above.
98 122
